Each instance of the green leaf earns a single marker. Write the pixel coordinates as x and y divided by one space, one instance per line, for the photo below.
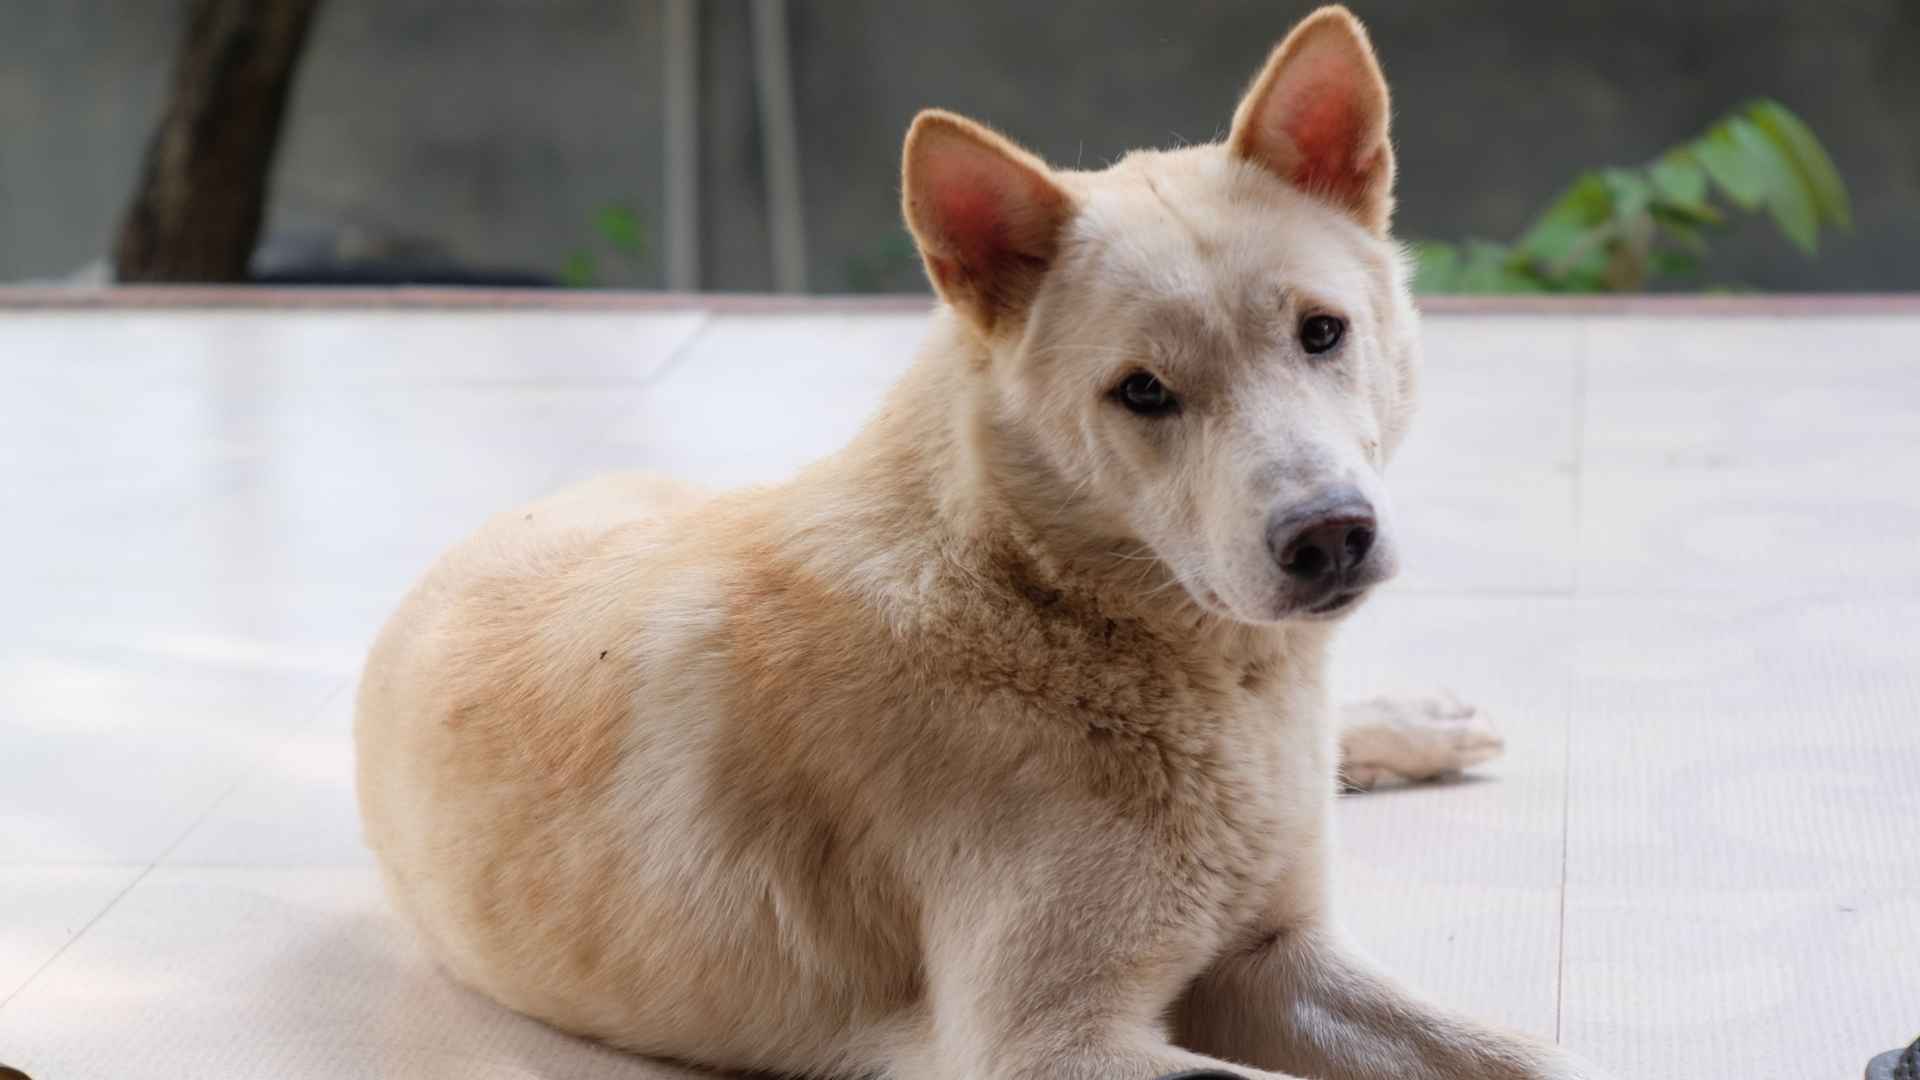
1584 281
1725 158
1631 192
1679 179
1789 201
1673 264
1438 268
1809 157
1697 214
1617 229
621 228
1682 231
1494 269
579 272
1560 230
1475 267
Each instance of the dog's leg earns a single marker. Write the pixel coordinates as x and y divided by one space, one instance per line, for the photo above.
1417 738
1068 1055
1302 1002
1024 991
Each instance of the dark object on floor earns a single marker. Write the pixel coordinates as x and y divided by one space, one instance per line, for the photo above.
362 252
396 273
1203 1074
1896 1064
8 1072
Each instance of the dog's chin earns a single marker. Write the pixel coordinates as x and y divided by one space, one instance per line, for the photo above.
1327 609
1284 608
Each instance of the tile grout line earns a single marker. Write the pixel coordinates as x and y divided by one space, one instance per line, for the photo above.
1582 348
77 935
680 351
567 474
319 712
200 819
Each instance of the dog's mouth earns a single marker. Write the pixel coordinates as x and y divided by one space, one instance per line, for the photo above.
1336 603
1333 604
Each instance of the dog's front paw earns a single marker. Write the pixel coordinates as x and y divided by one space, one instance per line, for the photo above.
1412 738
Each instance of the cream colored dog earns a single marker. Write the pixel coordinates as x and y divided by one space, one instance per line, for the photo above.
996 744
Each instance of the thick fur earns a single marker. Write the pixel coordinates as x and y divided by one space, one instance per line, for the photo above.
994 745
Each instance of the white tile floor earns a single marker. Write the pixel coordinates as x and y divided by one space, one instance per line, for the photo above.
1679 557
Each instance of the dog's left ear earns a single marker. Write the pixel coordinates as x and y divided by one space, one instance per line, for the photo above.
1317 117
986 214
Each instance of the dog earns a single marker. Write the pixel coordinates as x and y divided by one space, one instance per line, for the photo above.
998 743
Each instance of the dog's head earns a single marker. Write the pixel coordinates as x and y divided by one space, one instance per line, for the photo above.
1210 351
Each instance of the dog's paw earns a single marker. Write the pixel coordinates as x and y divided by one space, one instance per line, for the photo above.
1412 738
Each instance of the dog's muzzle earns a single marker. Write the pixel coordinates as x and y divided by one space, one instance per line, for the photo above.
1327 549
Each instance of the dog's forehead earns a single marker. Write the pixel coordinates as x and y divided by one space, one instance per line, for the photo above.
1198 229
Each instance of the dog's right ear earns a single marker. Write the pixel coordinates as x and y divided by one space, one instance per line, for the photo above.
986 214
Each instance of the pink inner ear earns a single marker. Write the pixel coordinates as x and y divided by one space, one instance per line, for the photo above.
972 218
1325 121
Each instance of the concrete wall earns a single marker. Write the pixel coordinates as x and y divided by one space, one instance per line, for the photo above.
495 128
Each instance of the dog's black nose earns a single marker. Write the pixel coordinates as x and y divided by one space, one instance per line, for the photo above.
1325 541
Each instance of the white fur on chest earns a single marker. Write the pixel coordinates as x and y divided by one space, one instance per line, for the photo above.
1278 755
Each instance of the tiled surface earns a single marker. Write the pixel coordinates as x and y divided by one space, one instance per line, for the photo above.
1765 455
1484 485
796 388
44 908
295 807
1726 742
1741 982
112 757
1677 559
273 972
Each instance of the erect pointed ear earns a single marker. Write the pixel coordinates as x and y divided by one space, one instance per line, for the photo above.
986 214
1317 117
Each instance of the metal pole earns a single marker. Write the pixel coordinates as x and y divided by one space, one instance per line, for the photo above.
682 67
779 145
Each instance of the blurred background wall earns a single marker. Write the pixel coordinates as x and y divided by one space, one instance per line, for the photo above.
491 132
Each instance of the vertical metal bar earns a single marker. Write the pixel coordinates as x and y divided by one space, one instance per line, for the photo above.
779 144
681 62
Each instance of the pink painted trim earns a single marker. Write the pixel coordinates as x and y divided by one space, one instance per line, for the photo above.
422 299
1679 304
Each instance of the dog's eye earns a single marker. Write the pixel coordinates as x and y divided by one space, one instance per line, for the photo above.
1146 395
1318 333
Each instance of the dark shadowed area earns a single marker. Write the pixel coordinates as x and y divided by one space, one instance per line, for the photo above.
498 134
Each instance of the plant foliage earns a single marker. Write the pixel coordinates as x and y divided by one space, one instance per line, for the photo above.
1616 229
619 230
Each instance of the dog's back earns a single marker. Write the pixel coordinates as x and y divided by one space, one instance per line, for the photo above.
540 727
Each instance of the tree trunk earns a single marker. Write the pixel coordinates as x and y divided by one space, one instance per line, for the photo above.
196 213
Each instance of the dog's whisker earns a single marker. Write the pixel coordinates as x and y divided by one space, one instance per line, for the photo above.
1162 587
1071 495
